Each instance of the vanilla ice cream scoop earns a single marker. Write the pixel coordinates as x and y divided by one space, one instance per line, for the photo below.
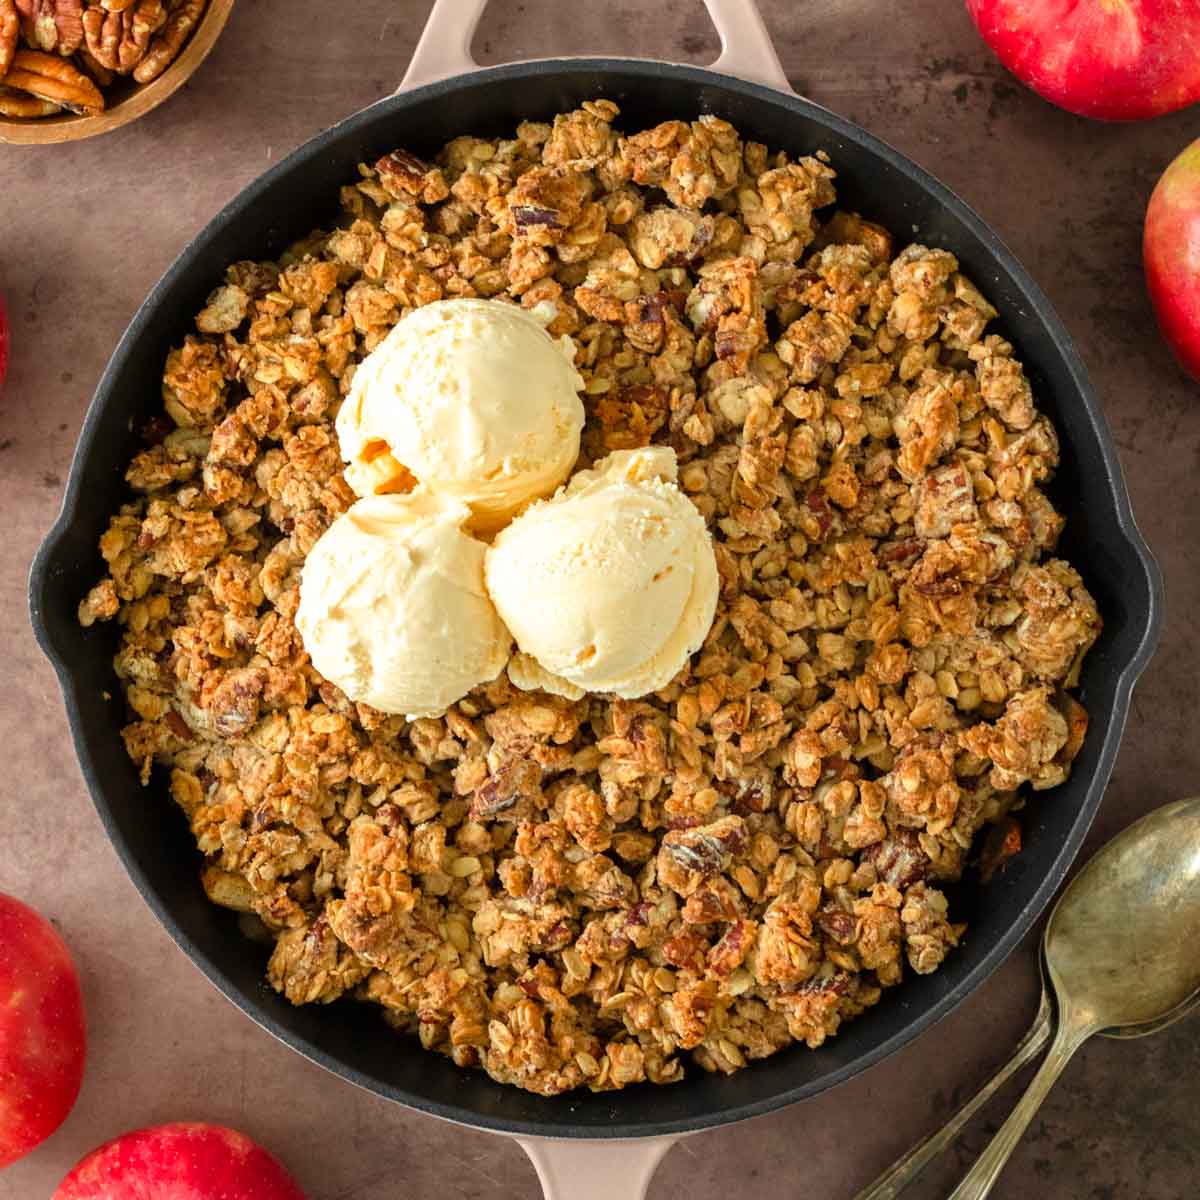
469 399
393 607
611 585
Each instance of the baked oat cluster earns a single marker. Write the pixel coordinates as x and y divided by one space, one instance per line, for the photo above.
585 893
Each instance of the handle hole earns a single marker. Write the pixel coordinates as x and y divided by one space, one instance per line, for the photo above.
680 32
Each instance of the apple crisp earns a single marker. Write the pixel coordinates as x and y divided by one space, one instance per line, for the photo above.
593 893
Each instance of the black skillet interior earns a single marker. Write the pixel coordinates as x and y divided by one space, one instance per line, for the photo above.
300 194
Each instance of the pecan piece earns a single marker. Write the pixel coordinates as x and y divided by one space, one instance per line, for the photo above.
836 983
718 900
818 505
23 105
178 726
898 859
102 36
517 780
836 923
51 78
752 793
161 52
727 955
119 40
525 215
403 174
145 20
51 25
689 856
686 951
402 168
9 28
235 701
96 69
900 552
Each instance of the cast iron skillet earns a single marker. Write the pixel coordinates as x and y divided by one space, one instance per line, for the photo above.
301 192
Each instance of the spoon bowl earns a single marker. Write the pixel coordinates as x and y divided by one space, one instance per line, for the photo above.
1123 943
1125 1033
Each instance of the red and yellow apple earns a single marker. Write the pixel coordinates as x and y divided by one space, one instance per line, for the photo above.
43 1042
1171 252
1116 60
187 1160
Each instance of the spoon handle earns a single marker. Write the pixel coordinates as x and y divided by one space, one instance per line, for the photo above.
905 1169
979 1180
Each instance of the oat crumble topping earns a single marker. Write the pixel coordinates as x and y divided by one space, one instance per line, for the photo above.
591 893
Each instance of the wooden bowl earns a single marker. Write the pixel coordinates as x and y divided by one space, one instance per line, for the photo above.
126 99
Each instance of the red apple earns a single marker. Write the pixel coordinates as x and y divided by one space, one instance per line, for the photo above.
188 1160
43 1042
1171 252
1117 60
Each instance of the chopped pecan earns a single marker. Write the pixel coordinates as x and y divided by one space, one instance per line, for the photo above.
717 900
632 415
836 983
178 726
525 215
516 781
691 855
686 951
404 174
729 953
547 201
900 552
836 923
898 859
751 793
818 504
234 703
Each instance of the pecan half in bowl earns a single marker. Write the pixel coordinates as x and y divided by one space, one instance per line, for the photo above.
78 70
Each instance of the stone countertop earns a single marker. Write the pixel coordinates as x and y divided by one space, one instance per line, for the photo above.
87 229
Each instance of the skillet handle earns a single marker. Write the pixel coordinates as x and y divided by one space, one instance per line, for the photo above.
595 1170
747 50
444 48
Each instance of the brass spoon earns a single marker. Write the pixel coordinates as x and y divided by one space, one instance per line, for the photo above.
1134 905
907 1168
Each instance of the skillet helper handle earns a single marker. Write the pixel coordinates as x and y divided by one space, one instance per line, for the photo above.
444 48
596 1170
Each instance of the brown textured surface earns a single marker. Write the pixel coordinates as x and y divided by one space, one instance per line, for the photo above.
88 229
